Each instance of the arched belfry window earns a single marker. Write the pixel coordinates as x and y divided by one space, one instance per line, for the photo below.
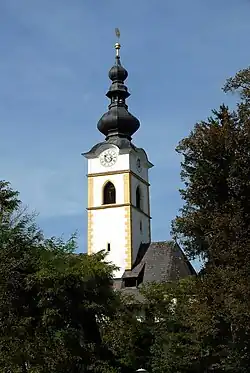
109 193
138 198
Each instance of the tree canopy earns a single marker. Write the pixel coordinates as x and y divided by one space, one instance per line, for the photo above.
214 224
51 300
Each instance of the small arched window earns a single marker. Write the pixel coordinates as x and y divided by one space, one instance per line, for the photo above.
138 197
109 193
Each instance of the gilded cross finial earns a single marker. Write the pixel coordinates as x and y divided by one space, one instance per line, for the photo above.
117 44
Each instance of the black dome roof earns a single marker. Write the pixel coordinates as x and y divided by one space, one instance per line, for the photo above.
118 121
117 72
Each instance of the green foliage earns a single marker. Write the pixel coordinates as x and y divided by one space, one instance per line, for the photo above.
216 193
173 347
9 201
52 301
240 83
123 335
214 224
155 335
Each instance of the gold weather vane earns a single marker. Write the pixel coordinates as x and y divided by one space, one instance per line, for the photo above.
117 44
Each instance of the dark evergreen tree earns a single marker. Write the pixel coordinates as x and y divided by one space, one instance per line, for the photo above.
214 224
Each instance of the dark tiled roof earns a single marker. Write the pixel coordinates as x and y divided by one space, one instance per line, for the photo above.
157 262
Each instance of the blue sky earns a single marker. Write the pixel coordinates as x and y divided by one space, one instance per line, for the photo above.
55 57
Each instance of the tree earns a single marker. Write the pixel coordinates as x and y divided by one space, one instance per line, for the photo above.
214 224
240 83
52 301
9 201
157 333
173 346
128 337
75 294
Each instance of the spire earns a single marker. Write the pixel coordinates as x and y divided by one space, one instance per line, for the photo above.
118 121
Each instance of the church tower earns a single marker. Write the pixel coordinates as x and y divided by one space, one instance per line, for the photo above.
118 183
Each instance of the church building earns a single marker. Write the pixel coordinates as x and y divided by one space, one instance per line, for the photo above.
119 219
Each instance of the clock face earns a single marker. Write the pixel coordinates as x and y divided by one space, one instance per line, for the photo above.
138 164
108 157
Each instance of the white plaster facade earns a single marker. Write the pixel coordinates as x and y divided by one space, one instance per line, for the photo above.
110 225
108 228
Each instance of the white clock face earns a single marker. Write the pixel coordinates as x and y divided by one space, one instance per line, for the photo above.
108 157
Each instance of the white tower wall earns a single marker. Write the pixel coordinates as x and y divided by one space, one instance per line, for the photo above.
120 227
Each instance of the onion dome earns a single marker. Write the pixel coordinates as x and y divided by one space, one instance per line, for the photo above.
118 121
